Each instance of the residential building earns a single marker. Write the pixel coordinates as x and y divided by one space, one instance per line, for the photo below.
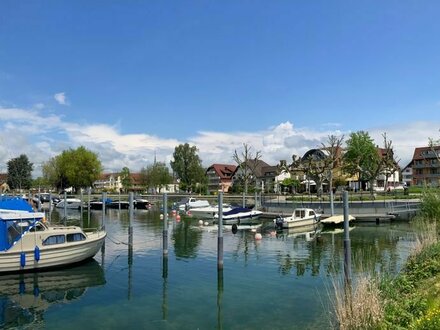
389 176
220 177
268 178
262 176
113 182
426 166
407 174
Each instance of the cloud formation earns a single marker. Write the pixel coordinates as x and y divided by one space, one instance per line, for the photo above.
41 135
61 98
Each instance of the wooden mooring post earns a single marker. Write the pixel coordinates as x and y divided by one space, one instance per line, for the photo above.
165 225
220 232
347 244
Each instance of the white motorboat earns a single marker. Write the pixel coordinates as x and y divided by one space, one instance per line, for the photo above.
208 212
28 243
300 217
192 203
70 203
240 216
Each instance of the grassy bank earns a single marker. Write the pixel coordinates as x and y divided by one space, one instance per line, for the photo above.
410 300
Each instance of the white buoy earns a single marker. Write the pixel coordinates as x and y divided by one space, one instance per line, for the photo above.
200 222
161 216
258 236
254 230
206 223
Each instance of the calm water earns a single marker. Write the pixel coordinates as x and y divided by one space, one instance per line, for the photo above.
280 282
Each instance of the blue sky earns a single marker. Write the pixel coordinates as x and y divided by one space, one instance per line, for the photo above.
128 79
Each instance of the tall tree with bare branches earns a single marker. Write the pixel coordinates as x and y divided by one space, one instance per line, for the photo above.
248 163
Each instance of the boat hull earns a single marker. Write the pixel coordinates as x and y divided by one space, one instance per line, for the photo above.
245 218
206 212
286 223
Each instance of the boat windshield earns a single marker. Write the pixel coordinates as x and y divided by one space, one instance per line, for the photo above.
14 229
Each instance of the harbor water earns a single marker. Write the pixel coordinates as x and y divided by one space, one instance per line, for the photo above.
283 281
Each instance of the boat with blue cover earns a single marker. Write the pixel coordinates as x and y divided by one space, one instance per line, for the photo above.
240 215
28 243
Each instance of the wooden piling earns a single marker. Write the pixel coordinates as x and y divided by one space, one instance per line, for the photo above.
347 244
220 232
165 225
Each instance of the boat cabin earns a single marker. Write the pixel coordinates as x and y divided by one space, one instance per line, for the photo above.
304 213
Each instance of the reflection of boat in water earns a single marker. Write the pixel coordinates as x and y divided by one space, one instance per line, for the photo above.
25 297
233 227
309 232
335 230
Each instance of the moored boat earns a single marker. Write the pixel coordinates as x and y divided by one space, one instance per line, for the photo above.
240 215
98 203
28 243
192 203
69 203
208 212
300 217
119 205
142 204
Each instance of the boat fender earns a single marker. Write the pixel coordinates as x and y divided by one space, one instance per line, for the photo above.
36 291
22 287
22 259
37 253
234 228
238 221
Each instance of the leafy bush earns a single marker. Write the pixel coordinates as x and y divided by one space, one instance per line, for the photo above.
430 204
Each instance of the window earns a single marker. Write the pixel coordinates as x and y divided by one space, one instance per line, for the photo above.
75 237
55 239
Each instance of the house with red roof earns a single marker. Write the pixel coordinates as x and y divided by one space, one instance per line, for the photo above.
220 177
426 166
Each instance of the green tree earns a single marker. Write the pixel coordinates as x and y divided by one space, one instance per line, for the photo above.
290 184
361 157
40 182
20 173
126 179
156 176
187 166
73 168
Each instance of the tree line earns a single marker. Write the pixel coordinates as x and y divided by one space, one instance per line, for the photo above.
80 168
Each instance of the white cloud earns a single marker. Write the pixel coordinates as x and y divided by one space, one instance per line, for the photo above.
61 98
42 135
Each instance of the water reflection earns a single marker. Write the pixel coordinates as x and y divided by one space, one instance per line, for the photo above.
373 248
24 298
158 292
186 239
